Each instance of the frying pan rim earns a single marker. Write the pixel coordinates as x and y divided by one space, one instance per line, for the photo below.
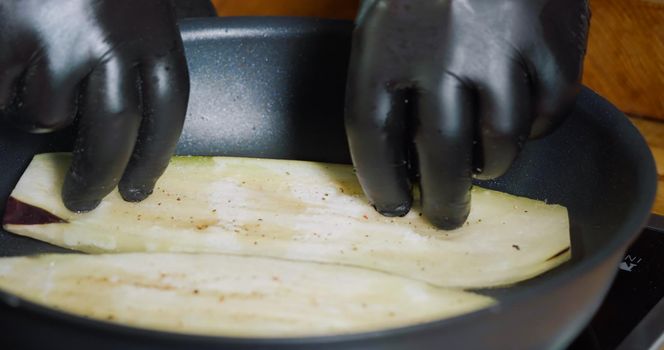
627 232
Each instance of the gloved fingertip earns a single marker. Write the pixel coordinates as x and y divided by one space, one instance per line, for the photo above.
499 166
483 176
448 223
133 193
76 198
450 218
78 205
393 211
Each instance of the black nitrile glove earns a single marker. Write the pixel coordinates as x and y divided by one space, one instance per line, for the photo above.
117 64
465 81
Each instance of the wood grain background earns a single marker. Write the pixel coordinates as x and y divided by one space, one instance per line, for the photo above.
625 61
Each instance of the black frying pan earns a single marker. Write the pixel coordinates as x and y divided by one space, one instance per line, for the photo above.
274 88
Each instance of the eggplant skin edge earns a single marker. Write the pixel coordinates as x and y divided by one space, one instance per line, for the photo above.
20 213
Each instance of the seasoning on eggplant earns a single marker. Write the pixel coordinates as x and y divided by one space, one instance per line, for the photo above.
253 207
228 295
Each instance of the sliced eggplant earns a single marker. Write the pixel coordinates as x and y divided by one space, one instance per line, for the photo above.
230 295
299 211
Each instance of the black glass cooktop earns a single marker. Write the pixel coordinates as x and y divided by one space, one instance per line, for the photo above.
632 315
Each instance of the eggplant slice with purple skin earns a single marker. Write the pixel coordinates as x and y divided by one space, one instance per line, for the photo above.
299 211
268 248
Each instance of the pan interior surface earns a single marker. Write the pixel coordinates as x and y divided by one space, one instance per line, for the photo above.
275 89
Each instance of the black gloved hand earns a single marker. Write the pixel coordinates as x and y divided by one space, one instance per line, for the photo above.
466 81
119 65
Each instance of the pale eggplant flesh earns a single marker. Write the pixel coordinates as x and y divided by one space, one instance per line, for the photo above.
224 295
301 211
269 248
